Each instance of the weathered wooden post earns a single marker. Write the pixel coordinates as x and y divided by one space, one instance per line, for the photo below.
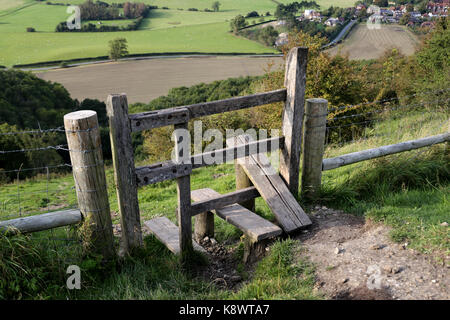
204 225
83 139
242 182
295 82
313 146
124 171
182 155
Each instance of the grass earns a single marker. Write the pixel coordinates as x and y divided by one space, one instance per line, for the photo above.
165 31
408 191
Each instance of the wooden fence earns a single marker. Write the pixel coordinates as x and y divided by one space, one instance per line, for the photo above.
82 132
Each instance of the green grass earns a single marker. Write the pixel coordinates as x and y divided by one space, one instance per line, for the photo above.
165 31
408 191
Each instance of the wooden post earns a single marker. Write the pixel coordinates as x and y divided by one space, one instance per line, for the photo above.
184 192
204 225
313 145
83 139
242 182
295 82
124 172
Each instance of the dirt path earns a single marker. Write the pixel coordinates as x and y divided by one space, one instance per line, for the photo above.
357 260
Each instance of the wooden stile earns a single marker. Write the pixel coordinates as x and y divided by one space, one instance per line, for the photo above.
124 171
295 82
274 191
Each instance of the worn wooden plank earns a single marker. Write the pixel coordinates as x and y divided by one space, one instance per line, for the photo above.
243 182
85 149
274 191
313 146
346 159
223 200
168 233
183 190
124 173
161 171
295 83
170 170
160 118
250 223
41 222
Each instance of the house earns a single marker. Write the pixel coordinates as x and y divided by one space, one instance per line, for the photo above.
282 39
360 7
331 22
312 15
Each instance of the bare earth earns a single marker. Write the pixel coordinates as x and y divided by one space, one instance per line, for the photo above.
356 260
364 43
144 80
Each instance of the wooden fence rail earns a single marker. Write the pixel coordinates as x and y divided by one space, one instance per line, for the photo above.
314 140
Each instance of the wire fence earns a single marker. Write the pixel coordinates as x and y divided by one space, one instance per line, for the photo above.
383 124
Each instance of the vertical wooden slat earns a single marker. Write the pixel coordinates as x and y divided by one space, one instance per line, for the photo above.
124 171
295 82
313 146
242 182
183 191
83 139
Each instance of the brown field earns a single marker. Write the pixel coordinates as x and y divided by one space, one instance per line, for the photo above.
363 43
144 80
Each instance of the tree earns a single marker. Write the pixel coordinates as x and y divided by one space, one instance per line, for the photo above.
405 19
215 6
238 23
118 48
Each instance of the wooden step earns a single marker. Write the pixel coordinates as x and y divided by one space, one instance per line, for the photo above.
167 232
250 223
272 188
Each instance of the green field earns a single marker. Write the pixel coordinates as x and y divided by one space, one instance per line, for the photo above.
168 31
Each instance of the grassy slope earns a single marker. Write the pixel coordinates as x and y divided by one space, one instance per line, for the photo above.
165 31
408 191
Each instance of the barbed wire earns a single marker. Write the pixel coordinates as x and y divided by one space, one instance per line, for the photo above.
57 147
387 100
41 131
387 109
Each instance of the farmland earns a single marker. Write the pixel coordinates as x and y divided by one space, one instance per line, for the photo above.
164 31
363 43
148 79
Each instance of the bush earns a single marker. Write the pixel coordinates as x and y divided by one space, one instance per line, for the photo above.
252 14
192 9
30 29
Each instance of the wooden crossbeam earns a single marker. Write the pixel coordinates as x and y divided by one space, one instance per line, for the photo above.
165 117
222 200
170 170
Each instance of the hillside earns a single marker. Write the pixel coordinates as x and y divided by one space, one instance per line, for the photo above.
363 43
164 31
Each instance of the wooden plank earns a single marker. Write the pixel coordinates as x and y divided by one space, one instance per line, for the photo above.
313 146
170 170
223 200
164 117
291 129
41 222
124 174
160 172
85 149
346 159
159 118
274 191
183 191
256 227
168 233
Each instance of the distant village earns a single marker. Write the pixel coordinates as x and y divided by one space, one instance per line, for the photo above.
408 14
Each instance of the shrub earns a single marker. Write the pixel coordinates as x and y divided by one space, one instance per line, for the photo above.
192 9
30 29
252 14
